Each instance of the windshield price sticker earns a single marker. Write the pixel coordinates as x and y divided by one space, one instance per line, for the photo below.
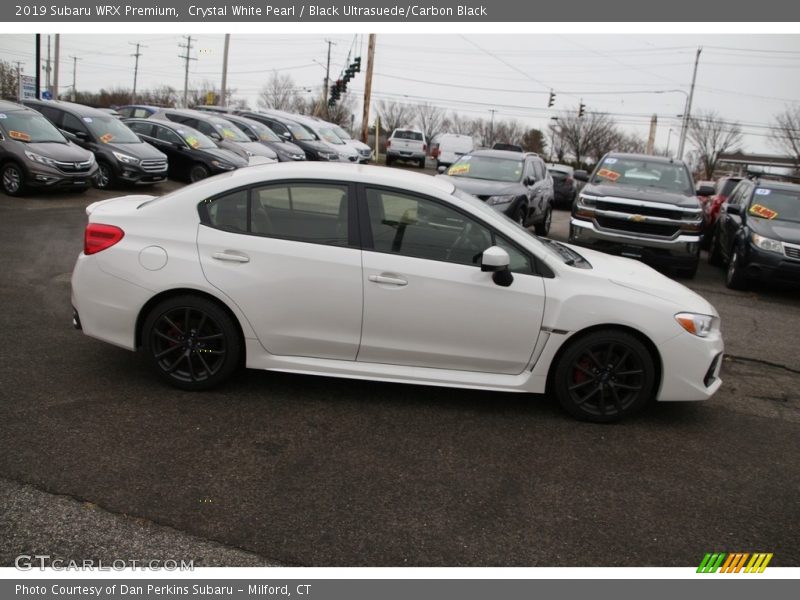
608 174
106 138
611 161
762 192
192 141
458 169
229 133
18 135
762 211
3 116
87 119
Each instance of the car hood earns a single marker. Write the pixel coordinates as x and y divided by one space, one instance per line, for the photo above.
57 151
357 144
635 275
228 156
644 193
142 151
314 145
784 231
258 149
482 187
286 148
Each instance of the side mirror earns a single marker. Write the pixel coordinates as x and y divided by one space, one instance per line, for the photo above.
529 180
580 175
441 169
286 135
215 136
733 209
705 190
495 260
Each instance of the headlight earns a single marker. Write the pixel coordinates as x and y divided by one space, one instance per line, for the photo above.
223 165
328 156
40 159
495 200
699 325
759 241
587 201
124 158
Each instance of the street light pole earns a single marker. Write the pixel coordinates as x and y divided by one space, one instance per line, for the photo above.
491 126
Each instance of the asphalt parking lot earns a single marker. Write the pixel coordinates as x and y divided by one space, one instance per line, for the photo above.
301 470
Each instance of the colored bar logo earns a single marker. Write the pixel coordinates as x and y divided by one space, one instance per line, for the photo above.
734 562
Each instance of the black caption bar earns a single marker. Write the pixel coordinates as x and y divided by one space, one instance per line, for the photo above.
411 11
418 589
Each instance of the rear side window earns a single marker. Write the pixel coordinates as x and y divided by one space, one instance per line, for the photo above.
404 134
163 133
312 213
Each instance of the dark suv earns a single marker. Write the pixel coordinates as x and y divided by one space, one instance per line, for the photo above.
643 207
758 234
33 153
121 156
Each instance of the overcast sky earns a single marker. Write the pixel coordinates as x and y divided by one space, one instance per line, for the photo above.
745 78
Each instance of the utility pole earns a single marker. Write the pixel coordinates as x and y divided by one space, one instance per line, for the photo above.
651 139
56 65
38 66
136 67
47 68
187 57
326 89
19 64
222 100
491 127
75 60
686 113
368 93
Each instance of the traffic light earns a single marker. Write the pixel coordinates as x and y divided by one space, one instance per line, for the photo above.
356 64
552 99
581 110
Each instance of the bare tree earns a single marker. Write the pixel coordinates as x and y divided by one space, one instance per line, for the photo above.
164 95
589 136
394 114
455 123
712 136
279 93
786 132
342 112
430 120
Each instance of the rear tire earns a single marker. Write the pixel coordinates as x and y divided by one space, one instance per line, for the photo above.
714 251
191 342
604 376
13 179
421 163
735 277
688 272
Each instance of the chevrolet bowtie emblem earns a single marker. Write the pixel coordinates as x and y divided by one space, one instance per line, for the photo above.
636 218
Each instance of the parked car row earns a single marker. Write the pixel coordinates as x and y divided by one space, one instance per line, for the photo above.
140 144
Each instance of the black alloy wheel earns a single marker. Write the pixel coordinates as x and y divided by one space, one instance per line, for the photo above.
13 180
521 214
604 376
104 179
191 342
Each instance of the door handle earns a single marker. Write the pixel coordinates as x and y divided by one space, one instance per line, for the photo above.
231 257
388 280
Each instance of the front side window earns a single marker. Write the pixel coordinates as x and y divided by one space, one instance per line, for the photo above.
167 135
72 124
141 128
422 228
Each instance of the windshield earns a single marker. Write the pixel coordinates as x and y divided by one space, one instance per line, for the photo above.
407 134
642 172
229 131
264 133
195 139
329 136
727 188
111 129
299 132
341 133
778 205
487 167
25 126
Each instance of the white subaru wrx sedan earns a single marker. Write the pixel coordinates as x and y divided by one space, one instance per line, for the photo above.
374 273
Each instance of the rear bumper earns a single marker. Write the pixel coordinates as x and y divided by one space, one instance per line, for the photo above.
683 250
405 155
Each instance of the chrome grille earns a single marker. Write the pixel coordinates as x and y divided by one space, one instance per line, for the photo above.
791 251
365 153
74 167
154 165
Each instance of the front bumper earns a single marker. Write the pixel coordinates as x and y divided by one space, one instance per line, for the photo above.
690 367
771 267
136 174
681 250
44 176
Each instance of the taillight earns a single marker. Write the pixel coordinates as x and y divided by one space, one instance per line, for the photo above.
569 179
99 237
424 147
388 143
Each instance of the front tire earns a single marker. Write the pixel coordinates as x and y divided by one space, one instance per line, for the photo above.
421 163
714 251
191 342
604 376
542 228
197 173
735 277
104 180
13 180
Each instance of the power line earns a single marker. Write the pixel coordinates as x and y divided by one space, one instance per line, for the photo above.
187 57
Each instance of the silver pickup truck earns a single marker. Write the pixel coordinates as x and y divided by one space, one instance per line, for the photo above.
643 207
407 145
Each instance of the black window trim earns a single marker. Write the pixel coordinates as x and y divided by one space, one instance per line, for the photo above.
539 269
353 226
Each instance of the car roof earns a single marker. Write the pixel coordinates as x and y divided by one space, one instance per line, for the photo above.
6 106
777 185
369 174
71 107
168 124
507 154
